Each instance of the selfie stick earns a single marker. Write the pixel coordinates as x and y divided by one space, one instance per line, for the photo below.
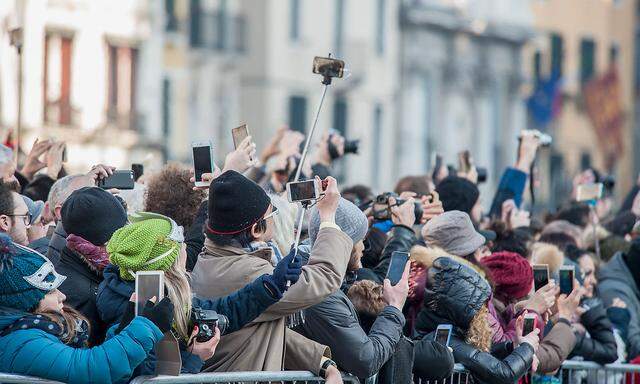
326 81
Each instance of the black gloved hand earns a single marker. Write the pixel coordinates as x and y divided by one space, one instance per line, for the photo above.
127 316
288 269
160 314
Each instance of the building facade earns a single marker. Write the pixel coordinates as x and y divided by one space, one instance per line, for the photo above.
461 83
577 45
82 72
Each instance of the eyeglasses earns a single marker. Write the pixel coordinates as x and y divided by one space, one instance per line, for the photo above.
26 218
273 213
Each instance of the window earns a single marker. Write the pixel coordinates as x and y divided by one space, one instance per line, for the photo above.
166 107
121 86
380 19
338 29
195 17
537 66
170 12
298 113
614 51
294 20
587 59
557 54
340 115
58 50
222 27
376 152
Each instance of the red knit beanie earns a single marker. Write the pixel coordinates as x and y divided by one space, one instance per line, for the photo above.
511 274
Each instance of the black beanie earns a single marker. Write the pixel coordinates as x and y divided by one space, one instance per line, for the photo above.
458 194
235 204
93 214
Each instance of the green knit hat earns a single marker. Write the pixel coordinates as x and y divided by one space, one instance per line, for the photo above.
150 243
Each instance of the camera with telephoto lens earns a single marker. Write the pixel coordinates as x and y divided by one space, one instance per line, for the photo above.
382 208
207 321
351 146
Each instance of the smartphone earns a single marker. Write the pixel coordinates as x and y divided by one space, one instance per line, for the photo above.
328 66
540 276
396 266
239 133
437 164
443 334
119 179
464 162
530 321
304 190
148 284
202 161
64 154
589 192
567 273
138 171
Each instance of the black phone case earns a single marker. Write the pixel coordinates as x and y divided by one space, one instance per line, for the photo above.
119 180
394 275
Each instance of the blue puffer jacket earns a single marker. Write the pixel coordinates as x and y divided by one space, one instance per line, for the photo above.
241 307
34 352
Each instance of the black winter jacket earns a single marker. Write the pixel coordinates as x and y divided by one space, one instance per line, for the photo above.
454 295
81 289
600 345
402 239
334 322
194 236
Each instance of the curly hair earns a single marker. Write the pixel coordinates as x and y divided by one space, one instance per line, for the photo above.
170 193
479 333
367 298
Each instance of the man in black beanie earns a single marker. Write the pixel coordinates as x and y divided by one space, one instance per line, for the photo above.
620 279
460 194
240 222
90 216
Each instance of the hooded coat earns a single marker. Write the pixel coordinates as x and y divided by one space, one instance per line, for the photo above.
454 295
34 352
615 280
266 343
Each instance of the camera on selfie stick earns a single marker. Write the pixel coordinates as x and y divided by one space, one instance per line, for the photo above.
306 192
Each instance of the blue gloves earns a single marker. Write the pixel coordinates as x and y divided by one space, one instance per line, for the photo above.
288 269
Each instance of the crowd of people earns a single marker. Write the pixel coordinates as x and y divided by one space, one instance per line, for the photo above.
70 252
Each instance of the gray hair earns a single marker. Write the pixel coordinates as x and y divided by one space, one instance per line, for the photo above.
61 190
6 154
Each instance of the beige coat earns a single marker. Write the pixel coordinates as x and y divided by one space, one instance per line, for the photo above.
260 346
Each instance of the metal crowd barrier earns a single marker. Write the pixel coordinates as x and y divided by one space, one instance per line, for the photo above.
239 377
9 378
459 376
580 372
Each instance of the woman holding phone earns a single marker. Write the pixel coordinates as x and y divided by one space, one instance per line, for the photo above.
154 242
456 294
41 336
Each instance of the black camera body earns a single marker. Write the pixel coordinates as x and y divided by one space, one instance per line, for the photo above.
385 214
207 321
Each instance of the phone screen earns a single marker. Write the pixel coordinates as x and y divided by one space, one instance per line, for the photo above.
120 179
303 190
540 276
148 284
442 336
396 266
529 325
240 133
202 161
566 281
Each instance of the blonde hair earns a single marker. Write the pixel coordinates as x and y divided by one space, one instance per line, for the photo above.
284 223
176 281
479 333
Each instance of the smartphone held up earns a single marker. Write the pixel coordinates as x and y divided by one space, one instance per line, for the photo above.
396 266
202 161
149 284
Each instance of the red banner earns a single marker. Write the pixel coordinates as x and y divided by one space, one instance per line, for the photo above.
603 100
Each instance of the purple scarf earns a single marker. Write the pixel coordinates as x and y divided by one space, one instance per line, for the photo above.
96 256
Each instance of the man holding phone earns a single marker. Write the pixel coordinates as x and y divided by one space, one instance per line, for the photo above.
240 216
